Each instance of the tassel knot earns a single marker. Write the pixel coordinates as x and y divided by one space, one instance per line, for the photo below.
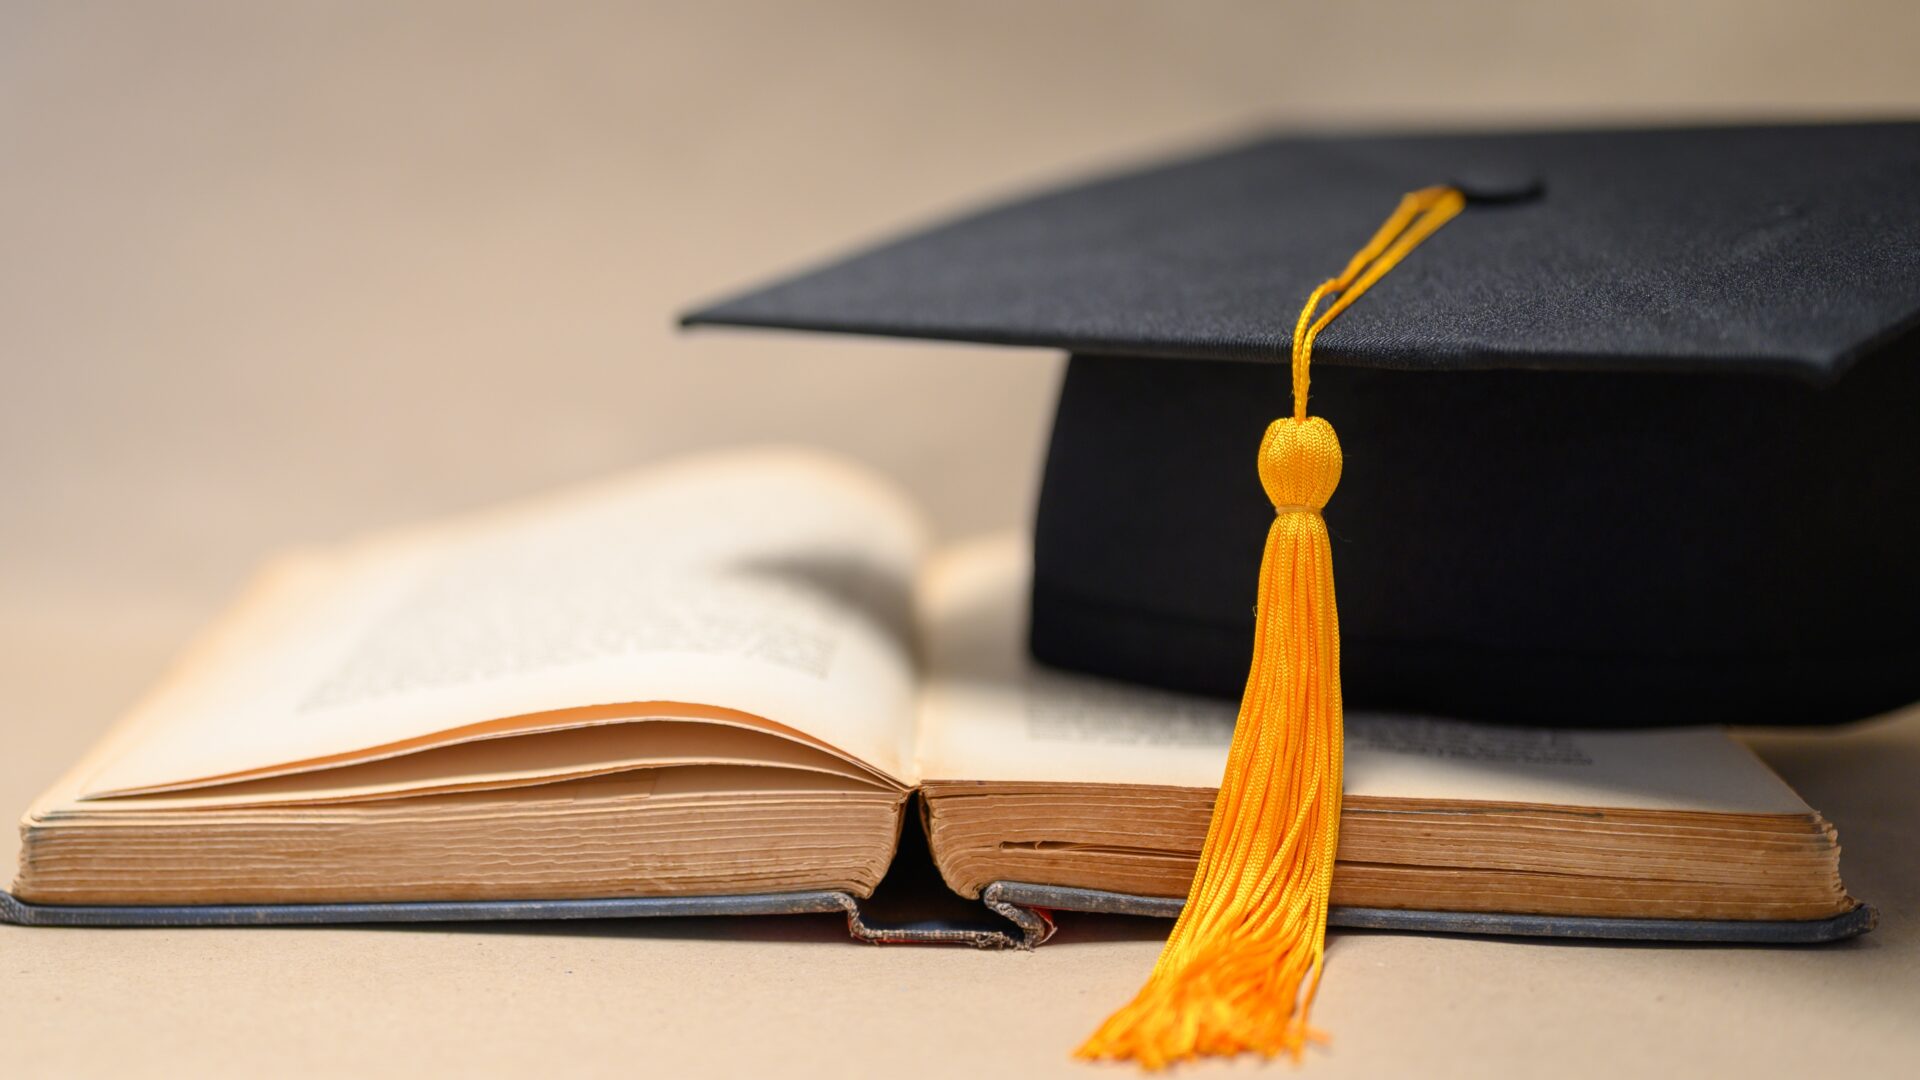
1300 463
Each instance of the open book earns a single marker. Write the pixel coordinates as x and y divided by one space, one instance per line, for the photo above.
733 677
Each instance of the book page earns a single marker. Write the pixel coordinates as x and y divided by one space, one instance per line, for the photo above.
522 761
990 712
773 583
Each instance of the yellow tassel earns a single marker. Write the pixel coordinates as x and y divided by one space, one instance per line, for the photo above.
1240 970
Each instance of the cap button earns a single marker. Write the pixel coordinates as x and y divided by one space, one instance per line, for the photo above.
1495 185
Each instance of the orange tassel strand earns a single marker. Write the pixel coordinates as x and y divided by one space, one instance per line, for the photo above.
1240 970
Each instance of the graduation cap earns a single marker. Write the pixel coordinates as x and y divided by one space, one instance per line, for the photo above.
1635 439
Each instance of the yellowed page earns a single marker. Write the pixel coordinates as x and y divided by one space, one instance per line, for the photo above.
990 713
516 761
774 583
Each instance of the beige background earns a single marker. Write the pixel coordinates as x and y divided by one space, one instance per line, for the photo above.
276 273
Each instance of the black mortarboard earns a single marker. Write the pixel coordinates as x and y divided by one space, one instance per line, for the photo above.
1635 439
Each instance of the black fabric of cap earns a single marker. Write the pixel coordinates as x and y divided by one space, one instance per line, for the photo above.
1782 249
1635 439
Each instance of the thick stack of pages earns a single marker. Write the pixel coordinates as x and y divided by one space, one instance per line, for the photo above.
709 680
574 698
1086 784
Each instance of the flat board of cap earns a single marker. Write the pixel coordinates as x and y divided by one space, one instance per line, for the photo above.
1770 250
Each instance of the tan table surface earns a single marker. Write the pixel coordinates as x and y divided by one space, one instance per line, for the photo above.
276 273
